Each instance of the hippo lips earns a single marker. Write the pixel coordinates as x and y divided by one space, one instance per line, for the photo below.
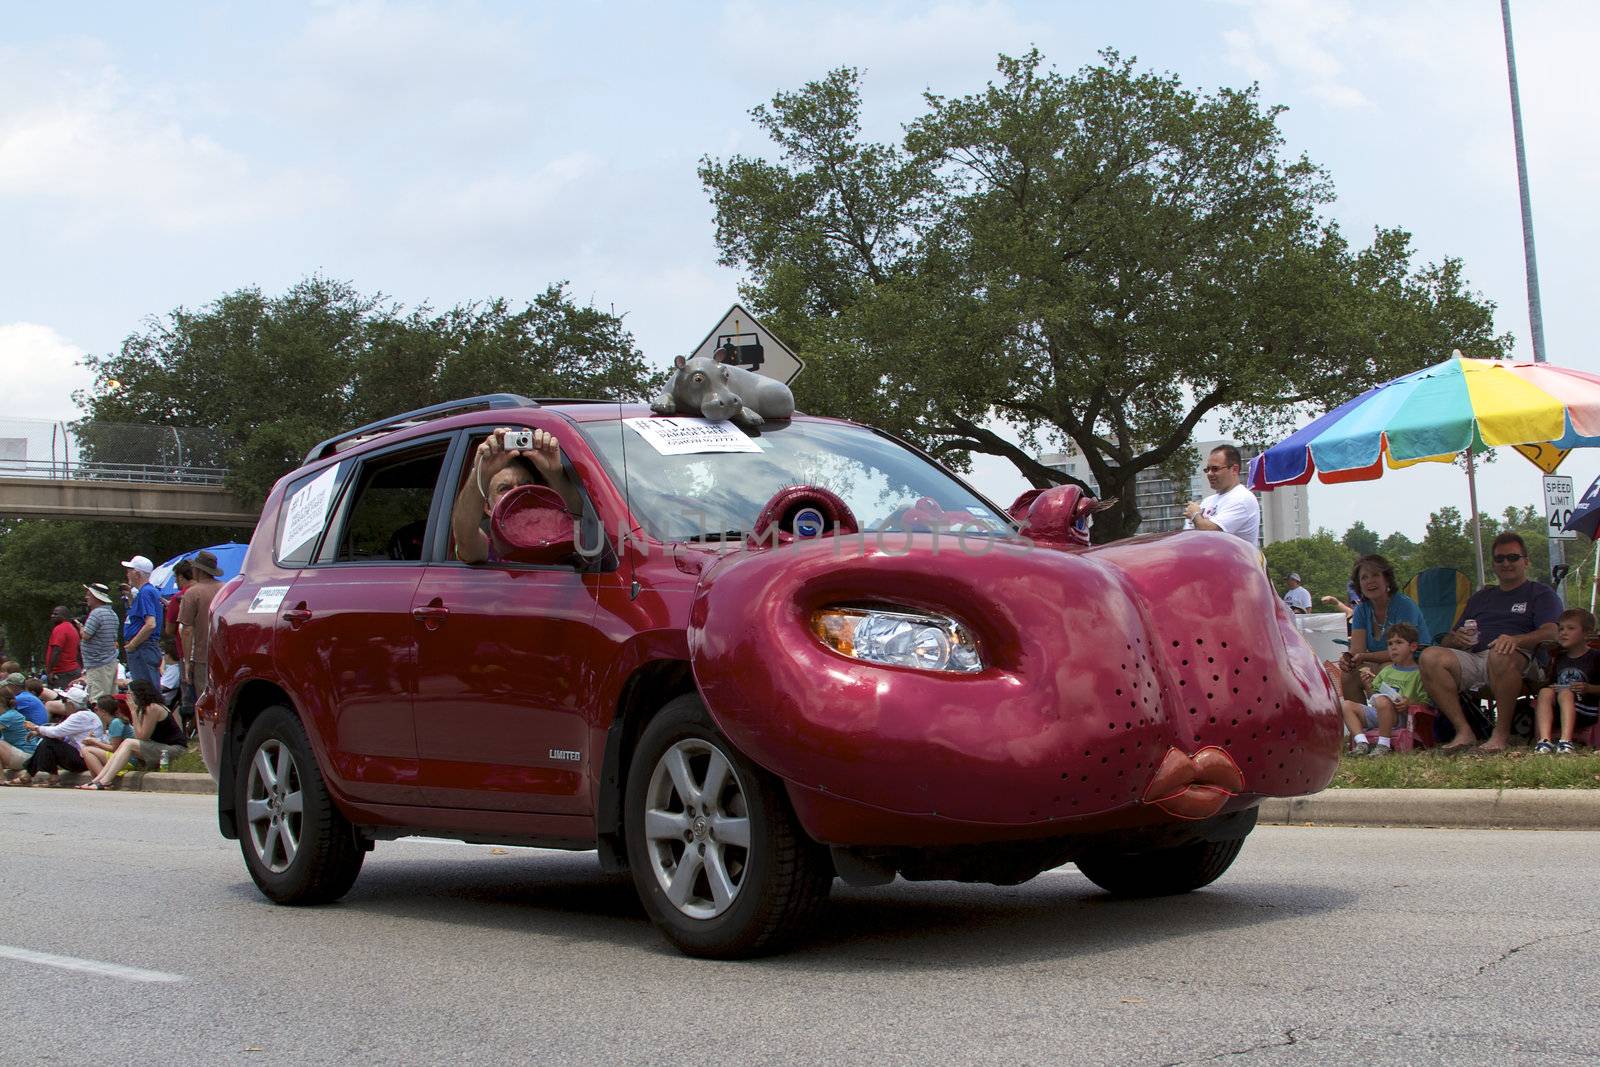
1197 786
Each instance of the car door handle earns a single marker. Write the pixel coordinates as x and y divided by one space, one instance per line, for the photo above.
295 617
431 615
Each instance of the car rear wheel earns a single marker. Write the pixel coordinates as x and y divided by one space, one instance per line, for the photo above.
1163 871
718 859
298 847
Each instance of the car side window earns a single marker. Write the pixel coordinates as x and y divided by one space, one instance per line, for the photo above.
304 514
386 519
592 536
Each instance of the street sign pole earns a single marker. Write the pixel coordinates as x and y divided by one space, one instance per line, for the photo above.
1529 256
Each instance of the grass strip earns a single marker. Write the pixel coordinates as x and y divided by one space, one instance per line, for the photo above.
188 762
1519 768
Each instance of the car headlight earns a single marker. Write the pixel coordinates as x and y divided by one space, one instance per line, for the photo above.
901 639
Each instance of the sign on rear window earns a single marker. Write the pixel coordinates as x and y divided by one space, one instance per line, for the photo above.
305 515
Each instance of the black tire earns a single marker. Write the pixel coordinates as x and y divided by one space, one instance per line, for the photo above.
783 876
1160 872
328 855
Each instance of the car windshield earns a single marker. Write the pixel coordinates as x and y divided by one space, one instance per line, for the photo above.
706 495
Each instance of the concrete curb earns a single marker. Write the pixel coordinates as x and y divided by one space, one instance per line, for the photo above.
1459 809
167 782
1511 809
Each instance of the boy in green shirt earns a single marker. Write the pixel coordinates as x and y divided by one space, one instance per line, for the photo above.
1393 689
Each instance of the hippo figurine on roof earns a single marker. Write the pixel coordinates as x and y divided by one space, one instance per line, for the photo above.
713 388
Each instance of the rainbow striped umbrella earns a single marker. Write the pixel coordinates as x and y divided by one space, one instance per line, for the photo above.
1435 414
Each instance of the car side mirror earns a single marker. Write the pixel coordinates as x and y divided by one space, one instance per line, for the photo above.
1058 517
531 524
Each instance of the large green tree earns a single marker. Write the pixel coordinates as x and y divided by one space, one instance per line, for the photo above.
1106 258
45 563
1322 561
1360 540
272 375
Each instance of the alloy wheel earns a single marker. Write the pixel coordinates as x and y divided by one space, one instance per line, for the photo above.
274 805
697 828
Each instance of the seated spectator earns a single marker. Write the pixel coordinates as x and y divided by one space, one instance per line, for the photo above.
1382 604
496 471
97 750
1574 685
156 733
1297 596
1492 645
60 747
1395 688
32 708
171 673
17 742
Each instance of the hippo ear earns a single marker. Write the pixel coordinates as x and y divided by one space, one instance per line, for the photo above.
717 355
678 362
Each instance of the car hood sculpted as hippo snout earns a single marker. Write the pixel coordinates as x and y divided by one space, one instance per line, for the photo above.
1159 671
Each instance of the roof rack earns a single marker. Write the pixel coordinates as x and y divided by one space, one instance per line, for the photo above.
395 422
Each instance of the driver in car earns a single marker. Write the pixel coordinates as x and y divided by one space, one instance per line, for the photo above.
496 470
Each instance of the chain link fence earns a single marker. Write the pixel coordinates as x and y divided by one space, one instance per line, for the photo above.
89 450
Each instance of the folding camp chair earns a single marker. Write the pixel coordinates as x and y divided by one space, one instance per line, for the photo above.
1441 593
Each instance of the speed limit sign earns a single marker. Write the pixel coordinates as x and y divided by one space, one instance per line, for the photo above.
1558 504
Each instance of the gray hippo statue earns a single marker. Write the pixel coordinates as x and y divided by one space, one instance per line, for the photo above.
719 391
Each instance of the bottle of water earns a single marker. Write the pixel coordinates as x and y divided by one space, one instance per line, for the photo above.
166 759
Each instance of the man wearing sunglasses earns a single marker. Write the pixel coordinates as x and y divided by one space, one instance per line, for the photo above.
1231 507
1492 644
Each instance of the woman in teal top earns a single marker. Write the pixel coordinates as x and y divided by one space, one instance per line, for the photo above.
17 742
1382 605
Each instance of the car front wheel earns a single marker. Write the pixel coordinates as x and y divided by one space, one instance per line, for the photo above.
719 861
298 847
1160 872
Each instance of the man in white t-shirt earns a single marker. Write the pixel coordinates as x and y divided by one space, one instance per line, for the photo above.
1231 508
1297 596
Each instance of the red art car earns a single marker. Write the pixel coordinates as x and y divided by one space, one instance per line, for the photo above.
739 665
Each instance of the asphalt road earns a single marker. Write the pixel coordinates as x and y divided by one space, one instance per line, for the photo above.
1320 946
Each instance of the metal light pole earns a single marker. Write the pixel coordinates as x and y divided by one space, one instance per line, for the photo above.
1529 256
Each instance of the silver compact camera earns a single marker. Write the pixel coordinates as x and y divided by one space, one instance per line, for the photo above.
518 440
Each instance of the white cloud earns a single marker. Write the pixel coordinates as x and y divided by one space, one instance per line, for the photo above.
902 46
1443 63
1305 39
508 214
41 369
81 152
439 71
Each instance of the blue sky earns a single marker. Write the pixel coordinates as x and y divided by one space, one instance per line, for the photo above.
153 156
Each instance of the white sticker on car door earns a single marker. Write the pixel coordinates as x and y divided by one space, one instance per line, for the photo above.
268 599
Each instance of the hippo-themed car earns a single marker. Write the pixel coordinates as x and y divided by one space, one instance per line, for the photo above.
739 662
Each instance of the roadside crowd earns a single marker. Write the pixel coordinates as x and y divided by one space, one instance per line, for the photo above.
1513 641
114 694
